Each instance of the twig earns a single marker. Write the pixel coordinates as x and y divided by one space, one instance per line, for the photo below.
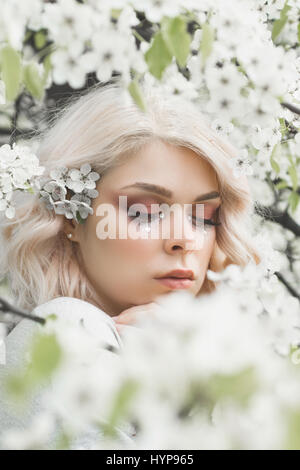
291 107
5 307
290 288
278 180
282 218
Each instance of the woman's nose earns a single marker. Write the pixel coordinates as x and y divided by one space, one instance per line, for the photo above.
180 234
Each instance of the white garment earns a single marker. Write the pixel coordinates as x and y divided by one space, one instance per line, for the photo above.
95 320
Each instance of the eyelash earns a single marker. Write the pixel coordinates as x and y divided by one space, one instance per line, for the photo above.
142 214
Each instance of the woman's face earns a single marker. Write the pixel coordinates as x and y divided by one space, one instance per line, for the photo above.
124 270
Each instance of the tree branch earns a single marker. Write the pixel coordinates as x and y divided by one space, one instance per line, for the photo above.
291 107
281 218
290 288
278 180
6 307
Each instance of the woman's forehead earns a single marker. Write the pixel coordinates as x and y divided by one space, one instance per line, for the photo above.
164 165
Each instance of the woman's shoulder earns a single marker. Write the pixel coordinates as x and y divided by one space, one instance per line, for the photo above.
70 306
76 311
73 310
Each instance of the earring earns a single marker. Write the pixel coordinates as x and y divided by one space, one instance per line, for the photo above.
69 235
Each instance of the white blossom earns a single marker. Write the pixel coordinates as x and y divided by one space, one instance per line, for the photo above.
241 164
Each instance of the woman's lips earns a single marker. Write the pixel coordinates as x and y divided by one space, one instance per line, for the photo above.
176 283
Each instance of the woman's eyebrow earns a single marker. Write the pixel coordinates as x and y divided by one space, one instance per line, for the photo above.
167 193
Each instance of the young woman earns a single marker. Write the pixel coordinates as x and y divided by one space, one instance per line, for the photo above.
167 156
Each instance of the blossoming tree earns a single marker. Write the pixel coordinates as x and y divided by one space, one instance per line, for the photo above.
240 64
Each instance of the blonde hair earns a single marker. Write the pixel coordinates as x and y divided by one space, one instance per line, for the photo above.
101 127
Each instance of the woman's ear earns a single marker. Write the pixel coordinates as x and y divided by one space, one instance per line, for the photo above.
70 229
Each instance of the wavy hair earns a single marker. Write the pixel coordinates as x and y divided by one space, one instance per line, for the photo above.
100 127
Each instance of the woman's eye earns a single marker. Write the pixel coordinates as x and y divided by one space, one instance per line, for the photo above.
206 221
150 217
198 221
145 217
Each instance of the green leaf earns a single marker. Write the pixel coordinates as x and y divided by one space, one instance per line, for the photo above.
11 72
137 95
293 175
273 162
275 166
280 23
51 316
293 201
283 128
115 13
292 439
45 355
240 386
39 39
177 38
281 185
16 386
33 81
206 44
293 349
79 218
29 188
122 401
63 441
278 27
47 67
158 56
27 35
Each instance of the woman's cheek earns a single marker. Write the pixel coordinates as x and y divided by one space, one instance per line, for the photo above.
210 242
211 236
136 248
